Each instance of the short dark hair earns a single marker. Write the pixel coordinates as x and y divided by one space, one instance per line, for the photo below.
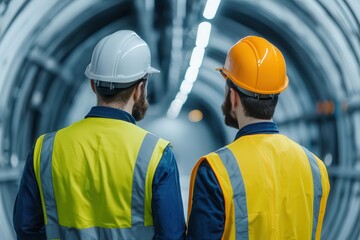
258 108
118 94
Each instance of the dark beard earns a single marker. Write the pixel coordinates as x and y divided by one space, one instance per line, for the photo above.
230 120
140 107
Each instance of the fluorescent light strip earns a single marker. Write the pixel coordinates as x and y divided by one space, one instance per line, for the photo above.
202 40
174 109
203 34
181 97
211 8
186 87
191 74
197 57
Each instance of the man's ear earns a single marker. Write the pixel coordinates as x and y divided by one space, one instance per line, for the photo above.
92 83
234 99
137 91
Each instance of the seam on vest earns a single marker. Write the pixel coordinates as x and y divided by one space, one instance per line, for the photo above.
317 190
239 198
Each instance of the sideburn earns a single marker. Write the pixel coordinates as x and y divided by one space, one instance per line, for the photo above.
140 106
226 109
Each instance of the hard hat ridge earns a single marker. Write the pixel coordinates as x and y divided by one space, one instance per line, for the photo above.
122 57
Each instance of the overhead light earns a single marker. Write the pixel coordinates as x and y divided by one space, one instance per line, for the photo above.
203 34
181 97
191 74
186 87
197 57
173 113
211 8
174 109
195 115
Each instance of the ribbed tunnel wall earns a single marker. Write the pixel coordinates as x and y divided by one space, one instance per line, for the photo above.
43 57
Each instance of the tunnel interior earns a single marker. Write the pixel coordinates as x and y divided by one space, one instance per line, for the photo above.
43 87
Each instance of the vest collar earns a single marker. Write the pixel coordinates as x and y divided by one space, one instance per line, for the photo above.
108 112
257 128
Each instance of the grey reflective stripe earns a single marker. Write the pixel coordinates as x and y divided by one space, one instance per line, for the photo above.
138 231
138 186
317 190
97 233
52 227
237 183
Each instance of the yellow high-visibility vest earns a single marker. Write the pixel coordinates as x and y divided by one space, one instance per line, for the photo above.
273 188
95 180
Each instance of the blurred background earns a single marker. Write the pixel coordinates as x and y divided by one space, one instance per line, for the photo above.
46 45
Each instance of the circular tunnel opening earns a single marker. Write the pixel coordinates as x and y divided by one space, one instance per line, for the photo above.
44 89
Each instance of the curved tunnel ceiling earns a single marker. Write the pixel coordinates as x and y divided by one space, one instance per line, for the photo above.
44 56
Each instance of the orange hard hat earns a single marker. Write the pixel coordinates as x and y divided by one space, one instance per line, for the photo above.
255 65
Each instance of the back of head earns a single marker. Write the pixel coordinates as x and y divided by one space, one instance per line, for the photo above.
257 70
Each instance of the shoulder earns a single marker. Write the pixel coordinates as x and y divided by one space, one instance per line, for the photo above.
168 158
205 170
38 145
206 166
167 167
206 181
214 159
319 162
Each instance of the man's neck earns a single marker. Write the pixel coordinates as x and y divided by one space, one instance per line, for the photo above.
244 121
121 106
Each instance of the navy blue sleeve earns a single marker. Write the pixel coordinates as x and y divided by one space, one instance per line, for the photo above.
167 206
28 216
207 217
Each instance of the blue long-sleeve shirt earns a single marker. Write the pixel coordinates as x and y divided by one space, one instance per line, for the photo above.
207 218
28 213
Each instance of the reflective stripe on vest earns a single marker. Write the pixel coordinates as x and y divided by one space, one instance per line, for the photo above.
52 227
240 207
54 231
317 190
237 183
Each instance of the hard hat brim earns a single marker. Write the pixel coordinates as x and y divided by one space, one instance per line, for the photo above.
152 70
116 79
221 70
226 75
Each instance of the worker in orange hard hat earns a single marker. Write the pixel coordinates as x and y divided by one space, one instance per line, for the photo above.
263 185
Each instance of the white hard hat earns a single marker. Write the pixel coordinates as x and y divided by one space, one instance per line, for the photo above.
121 57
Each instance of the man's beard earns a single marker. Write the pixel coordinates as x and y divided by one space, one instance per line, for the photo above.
140 107
230 120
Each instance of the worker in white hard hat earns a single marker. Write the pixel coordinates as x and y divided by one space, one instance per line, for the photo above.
104 177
